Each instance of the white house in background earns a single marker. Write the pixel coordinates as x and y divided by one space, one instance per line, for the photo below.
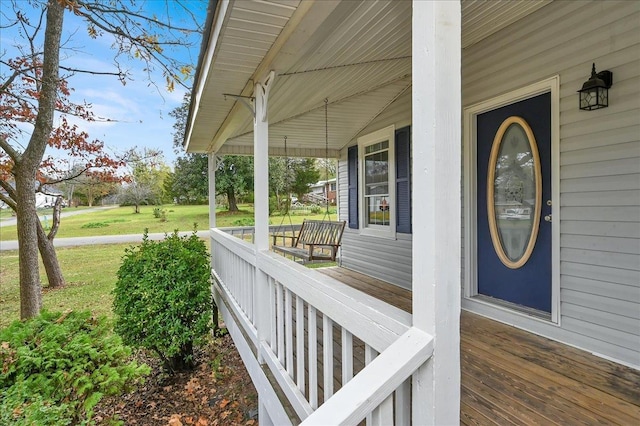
528 213
47 200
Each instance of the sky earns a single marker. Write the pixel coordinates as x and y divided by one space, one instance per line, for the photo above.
139 110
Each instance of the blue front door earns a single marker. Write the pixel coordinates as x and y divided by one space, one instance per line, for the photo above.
514 203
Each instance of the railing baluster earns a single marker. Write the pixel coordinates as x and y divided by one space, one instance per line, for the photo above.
288 318
300 343
327 355
347 356
369 355
272 313
280 322
313 357
403 404
383 414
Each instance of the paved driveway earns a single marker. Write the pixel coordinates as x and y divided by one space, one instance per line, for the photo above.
70 211
104 239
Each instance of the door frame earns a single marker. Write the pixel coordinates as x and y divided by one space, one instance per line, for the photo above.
470 114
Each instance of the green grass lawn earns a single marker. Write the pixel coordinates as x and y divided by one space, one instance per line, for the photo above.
90 272
123 220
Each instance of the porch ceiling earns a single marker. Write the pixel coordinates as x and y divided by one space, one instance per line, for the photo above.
355 54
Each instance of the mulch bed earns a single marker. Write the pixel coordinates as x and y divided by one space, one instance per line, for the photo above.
217 392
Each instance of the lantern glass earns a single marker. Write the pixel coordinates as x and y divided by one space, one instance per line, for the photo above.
594 98
595 91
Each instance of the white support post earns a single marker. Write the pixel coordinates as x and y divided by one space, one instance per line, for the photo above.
212 164
436 122
261 205
212 189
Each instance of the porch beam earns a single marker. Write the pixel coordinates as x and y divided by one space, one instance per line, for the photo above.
436 106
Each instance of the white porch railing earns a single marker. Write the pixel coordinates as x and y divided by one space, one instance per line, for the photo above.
338 355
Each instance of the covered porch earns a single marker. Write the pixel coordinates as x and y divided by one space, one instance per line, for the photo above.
507 375
378 86
515 377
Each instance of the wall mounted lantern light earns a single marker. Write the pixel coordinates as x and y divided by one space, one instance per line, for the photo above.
595 91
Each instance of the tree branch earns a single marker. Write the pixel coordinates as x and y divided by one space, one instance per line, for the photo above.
8 201
12 153
118 74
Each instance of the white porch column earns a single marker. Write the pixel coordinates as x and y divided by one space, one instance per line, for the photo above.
436 205
212 163
261 203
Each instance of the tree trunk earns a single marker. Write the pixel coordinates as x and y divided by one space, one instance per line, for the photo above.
233 205
49 259
27 164
27 224
48 252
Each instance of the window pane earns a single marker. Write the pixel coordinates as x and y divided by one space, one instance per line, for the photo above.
376 147
376 168
377 210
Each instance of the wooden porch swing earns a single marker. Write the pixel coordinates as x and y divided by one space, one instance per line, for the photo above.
322 234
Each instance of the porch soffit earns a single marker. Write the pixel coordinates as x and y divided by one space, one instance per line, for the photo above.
355 54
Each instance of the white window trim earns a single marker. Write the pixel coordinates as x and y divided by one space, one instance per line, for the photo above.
387 133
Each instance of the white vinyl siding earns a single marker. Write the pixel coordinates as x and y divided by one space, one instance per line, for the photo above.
599 159
599 167
382 258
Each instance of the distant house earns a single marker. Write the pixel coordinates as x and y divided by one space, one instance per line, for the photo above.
324 190
472 185
44 199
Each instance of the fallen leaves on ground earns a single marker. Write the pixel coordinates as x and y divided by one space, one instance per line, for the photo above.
217 392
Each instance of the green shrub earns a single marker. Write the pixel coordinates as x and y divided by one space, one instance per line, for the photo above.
245 221
56 367
162 298
92 225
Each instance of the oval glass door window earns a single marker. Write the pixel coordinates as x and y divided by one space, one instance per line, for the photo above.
514 192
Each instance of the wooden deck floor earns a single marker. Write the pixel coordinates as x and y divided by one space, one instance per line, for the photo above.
510 376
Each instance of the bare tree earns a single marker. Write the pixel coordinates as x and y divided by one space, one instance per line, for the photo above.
33 88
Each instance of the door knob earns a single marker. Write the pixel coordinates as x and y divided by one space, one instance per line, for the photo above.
547 218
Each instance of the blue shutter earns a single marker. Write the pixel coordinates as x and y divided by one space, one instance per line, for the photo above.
352 163
403 180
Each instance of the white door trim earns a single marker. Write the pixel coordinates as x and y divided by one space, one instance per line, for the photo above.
551 85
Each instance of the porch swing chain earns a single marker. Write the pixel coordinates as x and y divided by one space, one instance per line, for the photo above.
326 157
288 185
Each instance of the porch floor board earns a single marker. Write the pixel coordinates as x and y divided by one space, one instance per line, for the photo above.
510 376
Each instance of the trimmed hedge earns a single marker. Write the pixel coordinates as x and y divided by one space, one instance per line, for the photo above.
163 298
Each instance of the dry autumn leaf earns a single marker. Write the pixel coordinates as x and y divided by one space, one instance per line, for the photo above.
175 420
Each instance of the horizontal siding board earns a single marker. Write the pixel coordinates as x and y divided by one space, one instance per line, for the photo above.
601 303
601 153
603 229
598 213
628 293
601 273
601 168
602 198
602 258
609 244
585 126
605 334
603 319
388 260
618 135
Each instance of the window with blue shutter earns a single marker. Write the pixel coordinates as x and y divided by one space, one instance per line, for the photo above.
403 180
352 163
